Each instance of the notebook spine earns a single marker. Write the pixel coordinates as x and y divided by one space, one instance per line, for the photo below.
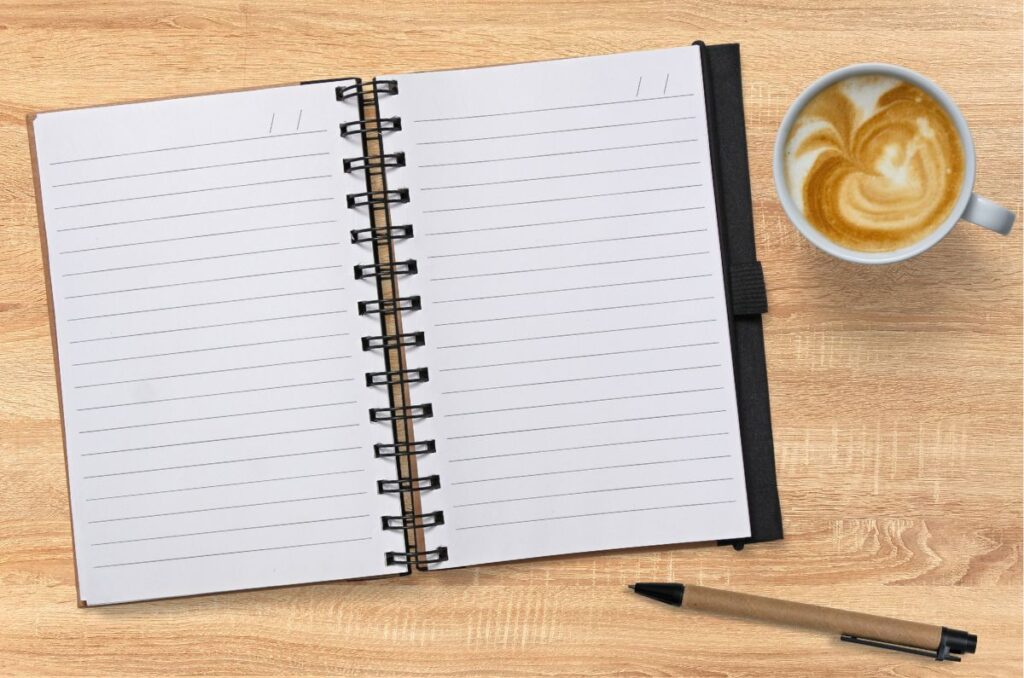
385 270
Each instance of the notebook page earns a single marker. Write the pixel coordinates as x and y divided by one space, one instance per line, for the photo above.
573 303
214 405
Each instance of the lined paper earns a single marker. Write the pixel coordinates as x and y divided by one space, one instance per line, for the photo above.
210 364
573 304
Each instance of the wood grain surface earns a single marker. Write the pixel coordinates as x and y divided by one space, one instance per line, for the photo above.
896 390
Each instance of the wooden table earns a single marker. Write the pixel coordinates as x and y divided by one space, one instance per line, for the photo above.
896 390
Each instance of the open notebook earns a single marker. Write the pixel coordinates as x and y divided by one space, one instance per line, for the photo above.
572 360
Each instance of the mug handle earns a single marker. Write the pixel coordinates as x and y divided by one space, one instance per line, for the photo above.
984 212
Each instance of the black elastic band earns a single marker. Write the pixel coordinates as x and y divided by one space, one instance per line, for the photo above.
407 267
412 521
408 484
411 376
404 449
746 285
424 411
438 555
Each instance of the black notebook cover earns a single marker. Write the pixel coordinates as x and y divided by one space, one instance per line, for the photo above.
723 89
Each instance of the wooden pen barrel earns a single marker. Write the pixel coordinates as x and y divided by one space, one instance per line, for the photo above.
869 626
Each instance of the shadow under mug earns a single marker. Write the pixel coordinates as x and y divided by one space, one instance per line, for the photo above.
969 205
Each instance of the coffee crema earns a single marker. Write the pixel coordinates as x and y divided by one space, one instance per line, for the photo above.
874 163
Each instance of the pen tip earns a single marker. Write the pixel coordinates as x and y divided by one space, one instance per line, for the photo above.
630 586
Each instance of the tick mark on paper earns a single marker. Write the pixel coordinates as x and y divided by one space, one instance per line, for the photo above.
272 116
665 88
639 82
299 122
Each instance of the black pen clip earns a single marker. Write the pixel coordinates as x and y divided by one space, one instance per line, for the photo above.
937 655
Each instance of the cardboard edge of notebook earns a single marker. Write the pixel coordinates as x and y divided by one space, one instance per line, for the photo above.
30 120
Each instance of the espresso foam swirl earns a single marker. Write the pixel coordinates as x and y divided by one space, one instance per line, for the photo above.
876 175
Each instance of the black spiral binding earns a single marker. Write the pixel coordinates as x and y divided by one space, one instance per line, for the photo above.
379 235
408 267
413 376
438 555
375 163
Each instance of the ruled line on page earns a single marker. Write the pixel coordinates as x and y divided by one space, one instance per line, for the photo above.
555 155
179 148
569 266
230 255
503 182
632 396
190 169
554 131
568 244
250 436
553 108
219 485
562 199
598 513
204 281
571 289
565 221
573 356
232 529
195 214
583 424
211 395
208 303
584 355
205 327
217 371
197 236
194 190
584 470
583 492
245 460
587 447
233 553
226 508
578 334
570 312
232 415
251 344
574 380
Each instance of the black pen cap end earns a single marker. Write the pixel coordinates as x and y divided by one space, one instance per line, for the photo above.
957 642
671 594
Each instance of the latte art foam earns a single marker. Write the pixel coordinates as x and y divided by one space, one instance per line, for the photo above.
874 163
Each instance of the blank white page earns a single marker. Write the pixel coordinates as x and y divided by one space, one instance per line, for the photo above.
573 303
214 406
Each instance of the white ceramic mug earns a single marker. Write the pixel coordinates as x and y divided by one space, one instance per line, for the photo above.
969 205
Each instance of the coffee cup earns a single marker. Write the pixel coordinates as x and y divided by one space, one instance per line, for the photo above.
875 164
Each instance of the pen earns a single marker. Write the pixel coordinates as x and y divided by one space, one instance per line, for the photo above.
853 627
